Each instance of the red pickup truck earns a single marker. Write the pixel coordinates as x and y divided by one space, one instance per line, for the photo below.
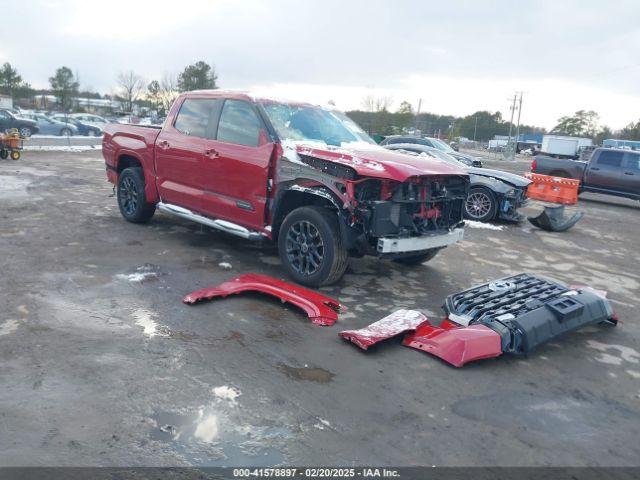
300 175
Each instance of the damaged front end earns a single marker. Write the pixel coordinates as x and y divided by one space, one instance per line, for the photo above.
420 214
387 208
509 203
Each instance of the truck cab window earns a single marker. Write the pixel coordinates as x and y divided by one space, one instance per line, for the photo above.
195 117
239 124
610 158
633 161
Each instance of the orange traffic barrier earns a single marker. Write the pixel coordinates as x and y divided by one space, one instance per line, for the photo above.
553 189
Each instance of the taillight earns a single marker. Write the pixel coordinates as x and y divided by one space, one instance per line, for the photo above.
534 165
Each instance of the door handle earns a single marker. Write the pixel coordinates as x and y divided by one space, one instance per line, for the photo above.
595 168
629 173
164 144
211 153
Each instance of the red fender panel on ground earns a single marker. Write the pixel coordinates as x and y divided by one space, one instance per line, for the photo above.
398 322
455 344
321 310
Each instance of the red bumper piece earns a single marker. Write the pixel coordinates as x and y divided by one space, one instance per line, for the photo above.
320 309
455 344
398 322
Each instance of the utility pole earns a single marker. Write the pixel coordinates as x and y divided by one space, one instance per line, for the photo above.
415 123
475 128
513 109
518 125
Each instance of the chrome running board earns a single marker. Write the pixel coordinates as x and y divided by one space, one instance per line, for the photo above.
221 225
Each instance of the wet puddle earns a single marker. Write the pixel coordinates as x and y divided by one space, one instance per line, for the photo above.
206 438
307 374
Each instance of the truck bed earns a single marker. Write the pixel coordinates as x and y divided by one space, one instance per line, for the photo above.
559 167
138 140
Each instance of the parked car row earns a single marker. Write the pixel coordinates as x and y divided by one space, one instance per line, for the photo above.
30 123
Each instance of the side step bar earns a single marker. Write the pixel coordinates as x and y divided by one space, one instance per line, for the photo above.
221 225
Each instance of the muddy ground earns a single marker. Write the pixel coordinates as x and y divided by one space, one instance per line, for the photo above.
101 364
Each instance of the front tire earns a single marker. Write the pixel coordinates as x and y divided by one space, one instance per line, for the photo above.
131 199
65 132
481 205
25 132
310 246
418 259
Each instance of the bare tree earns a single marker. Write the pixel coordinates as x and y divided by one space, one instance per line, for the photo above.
376 104
131 86
168 91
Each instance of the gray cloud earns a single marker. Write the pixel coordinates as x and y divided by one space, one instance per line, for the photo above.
354 44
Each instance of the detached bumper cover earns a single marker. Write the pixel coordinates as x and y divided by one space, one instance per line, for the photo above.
414 244
320 309
552 219
398 322
454 344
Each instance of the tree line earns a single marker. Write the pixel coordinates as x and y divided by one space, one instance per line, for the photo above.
374 116
377 119
131 89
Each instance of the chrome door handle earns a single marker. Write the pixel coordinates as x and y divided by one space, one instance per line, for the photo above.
164 144
211 153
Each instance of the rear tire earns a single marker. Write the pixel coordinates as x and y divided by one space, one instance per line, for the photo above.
310 246
480 205
65 132
131 199
419 259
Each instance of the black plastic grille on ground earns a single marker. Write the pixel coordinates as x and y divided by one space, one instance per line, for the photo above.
514 295
527 310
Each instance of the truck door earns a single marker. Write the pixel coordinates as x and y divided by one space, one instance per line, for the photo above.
630 178
604 171
236 166
179 152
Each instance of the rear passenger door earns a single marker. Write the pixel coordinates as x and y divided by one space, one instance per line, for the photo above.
179 151
630 178
236 165
604 170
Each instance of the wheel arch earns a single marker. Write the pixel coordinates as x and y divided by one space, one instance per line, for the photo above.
295 195
129 160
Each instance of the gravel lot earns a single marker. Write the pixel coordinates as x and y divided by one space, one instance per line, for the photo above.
101 364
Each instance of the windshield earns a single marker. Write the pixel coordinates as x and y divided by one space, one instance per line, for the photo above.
440 145
299 123
445 157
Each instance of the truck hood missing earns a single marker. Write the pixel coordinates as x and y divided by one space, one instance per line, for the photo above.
372 160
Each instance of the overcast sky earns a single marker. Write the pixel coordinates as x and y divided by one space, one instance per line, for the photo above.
457 56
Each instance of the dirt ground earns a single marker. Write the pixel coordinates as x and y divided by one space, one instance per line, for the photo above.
101 363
